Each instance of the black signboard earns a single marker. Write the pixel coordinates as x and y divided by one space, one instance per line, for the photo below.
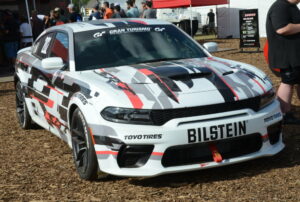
249 29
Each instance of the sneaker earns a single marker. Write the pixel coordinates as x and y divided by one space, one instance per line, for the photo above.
290 119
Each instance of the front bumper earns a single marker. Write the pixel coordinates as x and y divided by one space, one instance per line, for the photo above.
159 140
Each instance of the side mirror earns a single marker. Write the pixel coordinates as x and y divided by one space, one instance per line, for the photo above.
211 47
52 63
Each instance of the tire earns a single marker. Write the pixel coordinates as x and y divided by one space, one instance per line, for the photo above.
84 154
23 115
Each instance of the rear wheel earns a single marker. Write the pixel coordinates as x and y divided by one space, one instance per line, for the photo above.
83 149
21 108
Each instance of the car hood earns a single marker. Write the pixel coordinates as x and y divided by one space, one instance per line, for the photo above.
181 83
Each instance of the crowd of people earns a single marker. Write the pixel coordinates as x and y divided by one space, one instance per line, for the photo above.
112 10
17 33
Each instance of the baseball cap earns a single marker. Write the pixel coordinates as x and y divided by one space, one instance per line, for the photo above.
71 6
56 9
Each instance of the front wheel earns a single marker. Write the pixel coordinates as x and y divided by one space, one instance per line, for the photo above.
83 149
21 108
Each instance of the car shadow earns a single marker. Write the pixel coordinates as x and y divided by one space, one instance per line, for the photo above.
289 157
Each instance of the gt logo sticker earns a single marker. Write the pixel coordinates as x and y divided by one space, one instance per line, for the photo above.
98 34
158 29
217 132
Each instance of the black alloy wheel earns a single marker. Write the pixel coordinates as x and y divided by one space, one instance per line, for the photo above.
83 149
21 108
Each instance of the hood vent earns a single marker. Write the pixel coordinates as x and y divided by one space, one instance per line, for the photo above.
196 75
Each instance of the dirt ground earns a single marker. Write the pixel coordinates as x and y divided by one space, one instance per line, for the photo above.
35 165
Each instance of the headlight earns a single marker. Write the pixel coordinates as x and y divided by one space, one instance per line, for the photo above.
267 98
125 115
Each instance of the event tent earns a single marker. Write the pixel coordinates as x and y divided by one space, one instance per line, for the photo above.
186 3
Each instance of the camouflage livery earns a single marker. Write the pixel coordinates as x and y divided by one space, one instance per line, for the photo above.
216 98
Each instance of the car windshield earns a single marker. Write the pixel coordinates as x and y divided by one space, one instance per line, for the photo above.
132 45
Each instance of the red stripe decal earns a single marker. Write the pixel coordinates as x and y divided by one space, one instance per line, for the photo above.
107 152
54 89
260 85
266 136
138 21
53 120
148 72
232 90
49 103
22 62
134 99
157 153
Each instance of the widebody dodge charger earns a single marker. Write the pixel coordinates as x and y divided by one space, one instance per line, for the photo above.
136 97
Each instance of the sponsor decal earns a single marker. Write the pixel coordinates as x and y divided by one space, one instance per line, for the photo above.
99 34
217 132
143 137
81 98
129 30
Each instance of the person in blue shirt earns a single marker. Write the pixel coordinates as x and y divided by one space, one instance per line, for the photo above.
96 15
132 12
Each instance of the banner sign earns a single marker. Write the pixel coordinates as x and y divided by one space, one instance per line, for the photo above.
249 29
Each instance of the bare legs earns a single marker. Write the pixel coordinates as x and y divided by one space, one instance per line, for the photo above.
284 94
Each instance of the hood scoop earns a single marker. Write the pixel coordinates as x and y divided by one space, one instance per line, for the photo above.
188 75
195 75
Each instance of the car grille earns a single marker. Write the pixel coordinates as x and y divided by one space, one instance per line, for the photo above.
160 117
200 152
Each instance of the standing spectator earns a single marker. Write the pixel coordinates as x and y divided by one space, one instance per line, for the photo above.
132 12
122 12
74 15
37 25
11 37
57 17
143 4
117 11
50 20
108 12
26 33
210 20
96 15
62 15
149 12
283 32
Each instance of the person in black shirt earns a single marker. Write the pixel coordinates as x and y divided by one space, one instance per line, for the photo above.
283 32
211 22
11 37
74 16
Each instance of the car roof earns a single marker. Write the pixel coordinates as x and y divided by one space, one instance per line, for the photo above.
110 23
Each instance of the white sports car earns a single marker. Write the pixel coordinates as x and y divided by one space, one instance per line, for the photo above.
136 97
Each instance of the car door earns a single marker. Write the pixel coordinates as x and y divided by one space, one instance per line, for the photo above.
57 116
47 93
38 84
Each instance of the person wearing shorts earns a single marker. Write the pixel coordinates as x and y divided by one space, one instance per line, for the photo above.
283 33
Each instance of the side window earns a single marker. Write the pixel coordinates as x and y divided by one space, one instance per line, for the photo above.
41 47
60 47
